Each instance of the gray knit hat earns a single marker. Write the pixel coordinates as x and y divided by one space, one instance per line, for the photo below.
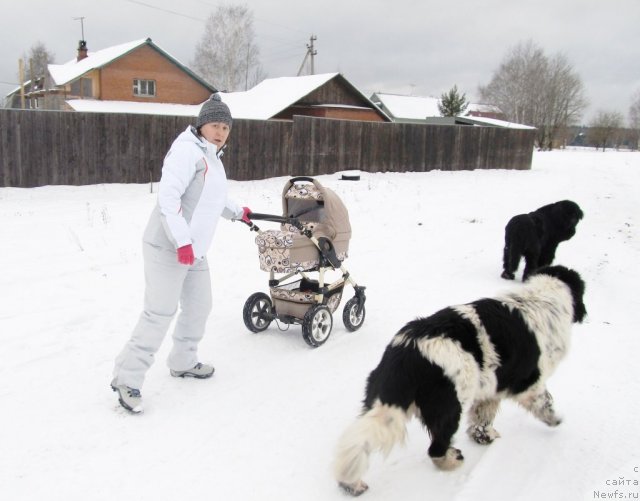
214 110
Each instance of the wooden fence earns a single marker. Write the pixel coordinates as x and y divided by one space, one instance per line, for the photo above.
51 147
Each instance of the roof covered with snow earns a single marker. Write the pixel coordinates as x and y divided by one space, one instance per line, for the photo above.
494 122
407 107
273 95
262 102
71 70
417 108
97 106
64 73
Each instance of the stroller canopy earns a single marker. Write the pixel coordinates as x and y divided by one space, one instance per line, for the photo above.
311 202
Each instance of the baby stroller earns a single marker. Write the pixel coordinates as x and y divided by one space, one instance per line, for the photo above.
313 240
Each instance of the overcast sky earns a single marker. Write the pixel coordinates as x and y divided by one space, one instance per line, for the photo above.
412 47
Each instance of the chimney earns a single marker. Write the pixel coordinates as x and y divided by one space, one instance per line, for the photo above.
82 50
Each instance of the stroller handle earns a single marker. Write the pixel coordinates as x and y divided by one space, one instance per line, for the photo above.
294 221
269 217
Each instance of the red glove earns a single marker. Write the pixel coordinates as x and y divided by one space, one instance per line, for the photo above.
185 255
246 212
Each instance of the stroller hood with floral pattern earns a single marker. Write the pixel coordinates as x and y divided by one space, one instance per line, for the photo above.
321 212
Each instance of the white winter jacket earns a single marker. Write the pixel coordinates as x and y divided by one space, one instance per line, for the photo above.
191 197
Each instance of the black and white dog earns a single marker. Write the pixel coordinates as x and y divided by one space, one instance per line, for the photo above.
465 357
536 236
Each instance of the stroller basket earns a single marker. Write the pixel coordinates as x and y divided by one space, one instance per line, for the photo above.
296 298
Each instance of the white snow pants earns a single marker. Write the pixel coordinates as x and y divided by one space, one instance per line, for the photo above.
167 285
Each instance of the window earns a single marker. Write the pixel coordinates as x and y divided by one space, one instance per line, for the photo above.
82 87
144 88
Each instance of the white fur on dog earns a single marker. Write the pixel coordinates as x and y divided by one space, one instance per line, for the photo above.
379 429
546 305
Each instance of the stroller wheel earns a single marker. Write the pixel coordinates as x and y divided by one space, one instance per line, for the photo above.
353 321
316 325
257 312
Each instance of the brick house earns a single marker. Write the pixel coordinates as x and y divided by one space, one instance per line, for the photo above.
137 71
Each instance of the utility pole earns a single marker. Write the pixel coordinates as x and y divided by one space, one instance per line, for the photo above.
21 76
311 52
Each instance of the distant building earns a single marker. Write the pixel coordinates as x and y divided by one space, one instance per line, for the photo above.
138 72
418 109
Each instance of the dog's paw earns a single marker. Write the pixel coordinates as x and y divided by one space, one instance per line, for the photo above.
483 434
452 459
552 420
508 276
354 489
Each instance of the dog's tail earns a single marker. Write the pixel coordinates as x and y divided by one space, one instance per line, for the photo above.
378 429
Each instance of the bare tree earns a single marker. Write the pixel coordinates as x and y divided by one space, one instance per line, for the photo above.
227 55
532 89
564 101
516 82
634 120
605 128
36 61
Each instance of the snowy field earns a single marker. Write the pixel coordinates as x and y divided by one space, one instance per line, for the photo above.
264 427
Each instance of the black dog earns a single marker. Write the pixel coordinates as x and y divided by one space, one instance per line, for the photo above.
536 236
465 357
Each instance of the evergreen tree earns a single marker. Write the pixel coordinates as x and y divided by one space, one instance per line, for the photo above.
452 104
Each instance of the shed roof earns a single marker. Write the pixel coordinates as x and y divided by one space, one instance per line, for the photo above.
494 122
408 107
273 95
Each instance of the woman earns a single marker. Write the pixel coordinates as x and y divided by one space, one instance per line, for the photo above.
192 196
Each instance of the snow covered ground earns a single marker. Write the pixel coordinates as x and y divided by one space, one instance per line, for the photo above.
264 427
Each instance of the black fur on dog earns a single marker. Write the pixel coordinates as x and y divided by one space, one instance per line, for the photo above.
463 357
536 235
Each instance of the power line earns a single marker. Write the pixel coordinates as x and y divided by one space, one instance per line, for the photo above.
271 58
166 10
284 44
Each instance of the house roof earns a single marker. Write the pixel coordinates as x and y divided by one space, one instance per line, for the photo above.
407 107
418 107
264 101
99 106
494 122
273 95
65 73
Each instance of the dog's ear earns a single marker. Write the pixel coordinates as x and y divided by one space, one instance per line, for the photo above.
575 283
